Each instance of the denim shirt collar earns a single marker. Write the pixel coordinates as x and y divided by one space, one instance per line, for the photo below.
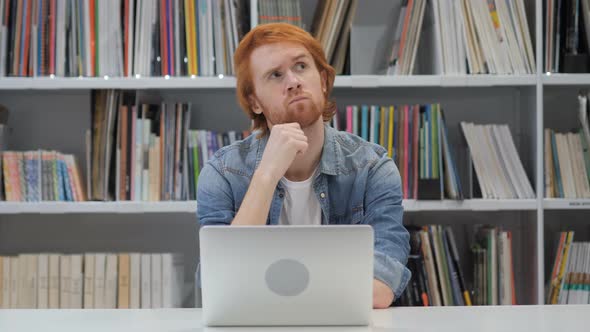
330 152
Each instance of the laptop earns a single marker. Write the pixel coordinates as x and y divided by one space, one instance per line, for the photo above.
286 275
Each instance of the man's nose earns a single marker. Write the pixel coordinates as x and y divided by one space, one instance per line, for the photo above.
293 82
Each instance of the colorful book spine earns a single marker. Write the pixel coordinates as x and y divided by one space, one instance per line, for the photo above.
365 122
406 148
57 178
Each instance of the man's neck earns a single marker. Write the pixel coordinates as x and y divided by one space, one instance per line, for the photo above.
304 165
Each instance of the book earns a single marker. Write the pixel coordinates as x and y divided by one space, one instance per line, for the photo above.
123 281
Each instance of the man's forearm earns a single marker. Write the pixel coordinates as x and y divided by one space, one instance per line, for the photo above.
256 203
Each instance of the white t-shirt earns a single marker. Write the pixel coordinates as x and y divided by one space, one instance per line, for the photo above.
300 204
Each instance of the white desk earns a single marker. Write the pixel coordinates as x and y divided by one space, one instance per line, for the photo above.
452 319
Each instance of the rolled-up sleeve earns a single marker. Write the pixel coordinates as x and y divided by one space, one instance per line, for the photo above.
384 212
215 202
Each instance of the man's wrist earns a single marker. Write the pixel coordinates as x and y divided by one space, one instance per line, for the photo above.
264 179
383 296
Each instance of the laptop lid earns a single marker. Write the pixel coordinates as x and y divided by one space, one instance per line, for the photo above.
287 275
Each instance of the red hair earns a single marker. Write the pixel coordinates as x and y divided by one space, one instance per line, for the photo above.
275 33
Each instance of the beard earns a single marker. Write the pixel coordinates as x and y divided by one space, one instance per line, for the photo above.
304 112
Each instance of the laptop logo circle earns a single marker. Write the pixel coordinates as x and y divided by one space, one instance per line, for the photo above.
287 277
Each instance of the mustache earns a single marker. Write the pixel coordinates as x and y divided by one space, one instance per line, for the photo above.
297 96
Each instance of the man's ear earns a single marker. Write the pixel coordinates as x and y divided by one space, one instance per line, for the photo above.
254 104
324 78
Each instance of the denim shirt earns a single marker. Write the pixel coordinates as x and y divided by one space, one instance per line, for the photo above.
357 183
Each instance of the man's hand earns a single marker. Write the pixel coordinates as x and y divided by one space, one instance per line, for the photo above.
285 142
382 295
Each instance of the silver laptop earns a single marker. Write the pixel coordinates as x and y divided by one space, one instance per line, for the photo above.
286 275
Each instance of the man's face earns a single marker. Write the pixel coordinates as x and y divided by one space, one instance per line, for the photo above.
287 85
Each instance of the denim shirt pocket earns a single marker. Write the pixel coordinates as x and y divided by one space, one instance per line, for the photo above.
352 215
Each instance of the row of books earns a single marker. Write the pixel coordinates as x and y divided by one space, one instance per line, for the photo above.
34 176
148 146
202 144
406 38
567 158
498 168
493 265
280 11
91 280
120 37
146 152
331 26
415 137
470 37
570 275
567 36
567 164
438 275
136 151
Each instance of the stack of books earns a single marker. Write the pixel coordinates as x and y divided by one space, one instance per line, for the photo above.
499 171
34 176
567 159
468 37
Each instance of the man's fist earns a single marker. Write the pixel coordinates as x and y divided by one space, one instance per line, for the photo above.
286 141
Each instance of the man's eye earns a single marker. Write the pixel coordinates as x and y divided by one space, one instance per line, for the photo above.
275 74
301 65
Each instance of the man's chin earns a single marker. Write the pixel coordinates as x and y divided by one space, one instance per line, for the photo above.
308 122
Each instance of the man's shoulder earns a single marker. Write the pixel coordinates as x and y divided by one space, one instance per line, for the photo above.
238 156
354 147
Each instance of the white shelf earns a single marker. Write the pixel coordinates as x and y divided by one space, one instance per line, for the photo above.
191 206
98 207
566 204
471 205
199 82
85 83
566 79
373 81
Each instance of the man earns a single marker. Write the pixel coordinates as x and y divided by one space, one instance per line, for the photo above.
294 169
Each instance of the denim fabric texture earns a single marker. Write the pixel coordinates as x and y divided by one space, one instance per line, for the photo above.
357 183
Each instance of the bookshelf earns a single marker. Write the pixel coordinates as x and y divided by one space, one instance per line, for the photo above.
87 83
53 113
228 82
120 207
565 79
130 207
566 204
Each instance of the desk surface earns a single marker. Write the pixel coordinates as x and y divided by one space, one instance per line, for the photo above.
489 318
